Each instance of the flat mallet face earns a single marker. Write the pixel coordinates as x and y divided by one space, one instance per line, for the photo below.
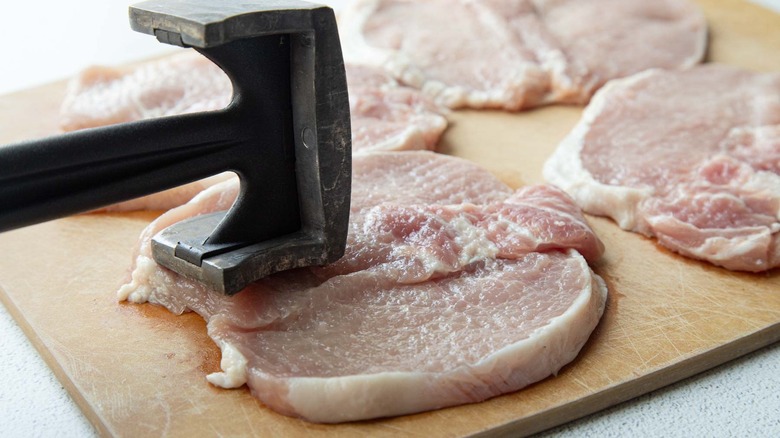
290 136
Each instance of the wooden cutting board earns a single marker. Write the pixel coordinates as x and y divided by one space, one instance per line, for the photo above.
137 370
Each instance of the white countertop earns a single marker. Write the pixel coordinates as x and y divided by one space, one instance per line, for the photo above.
739 398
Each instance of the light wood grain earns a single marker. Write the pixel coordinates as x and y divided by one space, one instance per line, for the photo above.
139 370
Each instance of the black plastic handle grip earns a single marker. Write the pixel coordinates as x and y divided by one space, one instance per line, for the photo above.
57 176
286 133
78 171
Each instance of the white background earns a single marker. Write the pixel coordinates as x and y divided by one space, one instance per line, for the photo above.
49 40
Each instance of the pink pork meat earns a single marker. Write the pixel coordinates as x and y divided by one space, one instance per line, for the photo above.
690 157
454 289
385 115
516 54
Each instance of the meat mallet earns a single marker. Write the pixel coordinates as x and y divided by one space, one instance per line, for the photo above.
286 133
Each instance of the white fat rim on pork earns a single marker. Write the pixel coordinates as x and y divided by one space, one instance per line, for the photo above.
233 365
356 50
334 399
327 400
136 290
411 139
354 47
565 169
701 51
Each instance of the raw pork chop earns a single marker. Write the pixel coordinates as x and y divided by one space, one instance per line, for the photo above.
454 289
385 115
177 84
516 54
690 157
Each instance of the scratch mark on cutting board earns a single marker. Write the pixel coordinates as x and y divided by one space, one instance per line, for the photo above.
249 421
583 384
216 432
671 343
405 431
166 410
631 343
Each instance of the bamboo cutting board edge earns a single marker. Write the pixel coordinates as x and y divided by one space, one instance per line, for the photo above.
620 393
65 378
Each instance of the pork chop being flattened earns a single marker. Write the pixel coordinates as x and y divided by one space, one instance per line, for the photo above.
690 157
453 289
516 54
384 114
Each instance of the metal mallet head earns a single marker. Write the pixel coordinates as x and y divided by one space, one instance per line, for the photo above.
286 133
290 101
